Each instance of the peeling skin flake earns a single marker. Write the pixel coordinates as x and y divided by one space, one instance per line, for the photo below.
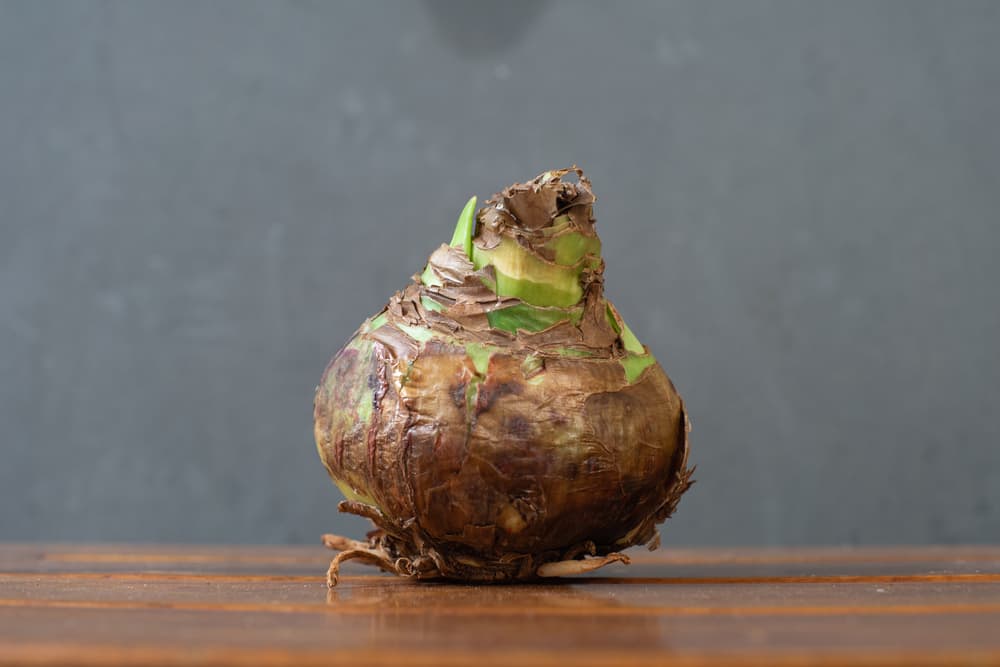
498 420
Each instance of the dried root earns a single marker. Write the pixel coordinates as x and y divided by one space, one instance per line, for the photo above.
353 550
564 568
379 552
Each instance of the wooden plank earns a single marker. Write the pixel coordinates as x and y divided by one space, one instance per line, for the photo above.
363 594
152 604
668 554
429 638
265 560
306 561
115 655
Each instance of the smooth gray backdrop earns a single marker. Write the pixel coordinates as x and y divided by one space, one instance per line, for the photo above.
200 201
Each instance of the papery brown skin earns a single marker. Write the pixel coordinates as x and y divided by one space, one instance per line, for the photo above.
486 455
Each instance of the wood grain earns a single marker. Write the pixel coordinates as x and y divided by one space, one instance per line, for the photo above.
173 605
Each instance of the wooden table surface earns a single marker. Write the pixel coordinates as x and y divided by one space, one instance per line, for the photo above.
174 605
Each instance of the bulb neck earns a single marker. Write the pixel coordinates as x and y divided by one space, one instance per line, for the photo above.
540 241
527 261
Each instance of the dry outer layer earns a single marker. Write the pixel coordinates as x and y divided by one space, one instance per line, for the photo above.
493 428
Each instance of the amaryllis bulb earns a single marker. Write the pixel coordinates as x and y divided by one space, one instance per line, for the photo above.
497 419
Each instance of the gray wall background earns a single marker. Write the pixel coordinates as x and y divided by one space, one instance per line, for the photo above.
200 201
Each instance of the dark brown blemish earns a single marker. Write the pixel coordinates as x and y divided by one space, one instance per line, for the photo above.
339 450
344 371
372 444
377 381
517 427
490 392
457 394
